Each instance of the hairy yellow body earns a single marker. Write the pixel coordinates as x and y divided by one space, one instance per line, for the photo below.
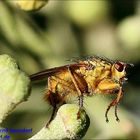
93 75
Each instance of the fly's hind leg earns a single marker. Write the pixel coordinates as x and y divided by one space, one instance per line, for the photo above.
56 95
50 97
52 116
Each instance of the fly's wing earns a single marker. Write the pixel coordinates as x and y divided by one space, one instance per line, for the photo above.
49 72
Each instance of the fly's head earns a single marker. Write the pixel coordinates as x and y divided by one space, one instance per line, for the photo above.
119 71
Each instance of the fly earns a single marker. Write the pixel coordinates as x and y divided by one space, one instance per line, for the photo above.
85 77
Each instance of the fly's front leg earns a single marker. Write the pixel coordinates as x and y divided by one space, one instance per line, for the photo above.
108 86
115 103
119 96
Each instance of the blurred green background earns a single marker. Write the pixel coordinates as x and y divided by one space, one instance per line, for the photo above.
65 29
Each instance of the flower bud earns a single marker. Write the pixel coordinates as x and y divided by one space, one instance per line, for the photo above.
30 5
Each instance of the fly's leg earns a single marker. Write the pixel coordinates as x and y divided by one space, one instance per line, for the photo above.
51 98
58 90
120 94
116 114
52 116
108 108
80 85
80 96
108 86
56 101
114 103
80 99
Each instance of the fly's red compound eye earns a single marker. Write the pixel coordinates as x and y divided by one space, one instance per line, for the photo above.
119 66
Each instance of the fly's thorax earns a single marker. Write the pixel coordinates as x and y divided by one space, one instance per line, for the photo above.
95 75
95 68
118 71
